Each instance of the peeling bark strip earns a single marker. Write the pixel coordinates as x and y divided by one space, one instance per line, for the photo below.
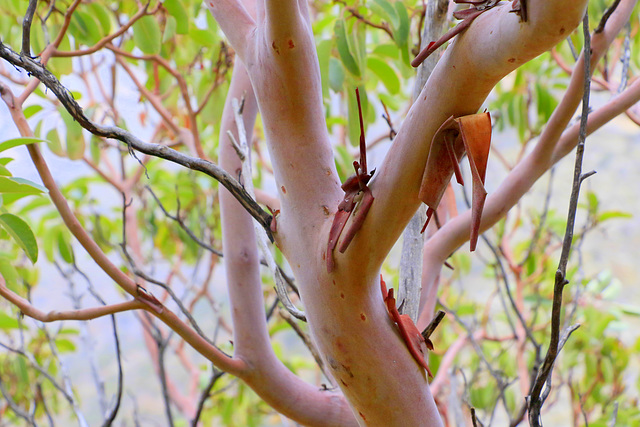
357 200
455 137
467 16
409 332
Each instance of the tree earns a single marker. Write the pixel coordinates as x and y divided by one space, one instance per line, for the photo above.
284 66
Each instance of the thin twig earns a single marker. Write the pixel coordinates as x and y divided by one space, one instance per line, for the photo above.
26 27
206 394
435 322
14 406
182 225
536 400
605 17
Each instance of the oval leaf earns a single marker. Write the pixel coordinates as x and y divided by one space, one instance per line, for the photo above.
385 73
147 35
16 142
347 57
21 233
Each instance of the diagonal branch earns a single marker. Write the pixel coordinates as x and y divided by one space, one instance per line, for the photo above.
157 150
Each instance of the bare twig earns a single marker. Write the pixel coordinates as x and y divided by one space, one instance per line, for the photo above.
206 394
14 406
535 398
605 17
26 27
182 225
435 322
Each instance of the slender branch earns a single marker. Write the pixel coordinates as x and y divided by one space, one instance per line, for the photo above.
107 39
182 225
83 314
14 406
431 327
605 17
26 27
205 395
535 399
133 142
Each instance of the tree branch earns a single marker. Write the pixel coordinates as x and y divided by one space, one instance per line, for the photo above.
82 314
535 399
157 150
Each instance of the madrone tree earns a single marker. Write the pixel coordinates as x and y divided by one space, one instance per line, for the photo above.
290 62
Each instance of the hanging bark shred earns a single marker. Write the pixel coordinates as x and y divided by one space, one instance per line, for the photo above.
409 332
356 203
456 136
478 7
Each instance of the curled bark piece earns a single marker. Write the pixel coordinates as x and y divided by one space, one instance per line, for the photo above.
476 136
409 332
470 134
356 190
147 298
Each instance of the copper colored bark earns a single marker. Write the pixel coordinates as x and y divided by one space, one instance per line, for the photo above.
467 134
409 332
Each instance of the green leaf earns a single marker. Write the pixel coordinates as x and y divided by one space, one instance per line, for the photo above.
19 185
65 345
385 73
336 75
613 214
7 322
324 55
16 142
9 273
387 10
4 171
53 141
21 233
169 29
64 246
85 28
102 14
147 35
31 110
346 54
75 139
94 149
177 11
62 65
401 30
